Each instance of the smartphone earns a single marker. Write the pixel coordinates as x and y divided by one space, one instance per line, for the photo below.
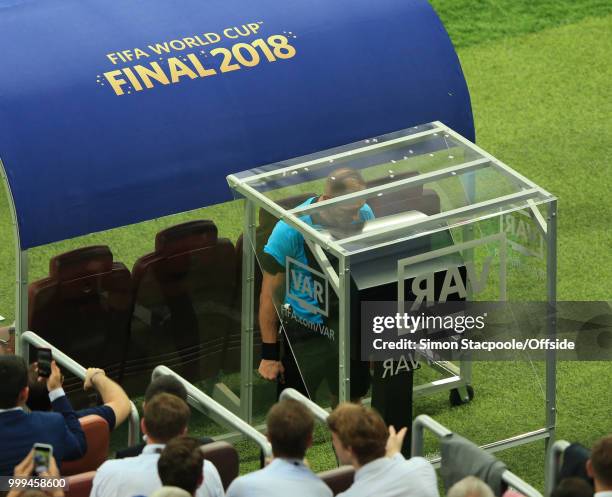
44 362
42 458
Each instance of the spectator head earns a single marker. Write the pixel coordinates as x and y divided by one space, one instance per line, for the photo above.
170 492
359 434
165 417
470 486
38 398
14 385
165 384
599 466
180 464
573 487
290 425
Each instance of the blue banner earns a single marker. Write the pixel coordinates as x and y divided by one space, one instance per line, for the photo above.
116 112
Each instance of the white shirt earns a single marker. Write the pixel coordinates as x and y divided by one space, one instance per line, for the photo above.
280 478
394 477
137 476
605 493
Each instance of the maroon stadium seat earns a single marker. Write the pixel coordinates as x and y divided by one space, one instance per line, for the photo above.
79 485
97 435
338 479
225 458
404 199
428 203
183 296
83 308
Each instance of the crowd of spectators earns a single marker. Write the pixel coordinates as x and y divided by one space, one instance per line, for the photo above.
35 410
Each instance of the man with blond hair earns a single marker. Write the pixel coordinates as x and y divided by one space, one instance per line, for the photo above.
470 486
361 439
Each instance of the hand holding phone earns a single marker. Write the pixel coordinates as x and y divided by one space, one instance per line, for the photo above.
44 362
56 379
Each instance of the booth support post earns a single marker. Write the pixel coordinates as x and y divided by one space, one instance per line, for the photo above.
551 359
21 273
21 301
465 367
344 330
246 339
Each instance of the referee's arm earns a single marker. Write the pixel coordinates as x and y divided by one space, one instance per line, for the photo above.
270 366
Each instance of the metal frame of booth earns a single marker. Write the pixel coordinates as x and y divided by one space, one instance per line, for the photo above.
21 261
340 281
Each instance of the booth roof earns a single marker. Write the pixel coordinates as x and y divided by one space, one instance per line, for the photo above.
115 113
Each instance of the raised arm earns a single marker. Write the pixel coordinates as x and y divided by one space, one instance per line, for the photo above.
112 394
74 438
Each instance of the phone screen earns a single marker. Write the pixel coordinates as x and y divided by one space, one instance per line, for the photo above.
42 458
44 362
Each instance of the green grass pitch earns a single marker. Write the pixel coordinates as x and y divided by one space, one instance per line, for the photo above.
539 77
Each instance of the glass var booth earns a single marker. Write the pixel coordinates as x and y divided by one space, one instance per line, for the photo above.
420 216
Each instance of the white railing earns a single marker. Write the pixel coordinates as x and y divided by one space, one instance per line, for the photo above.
424 422
66 362
317 411
200 399
553 467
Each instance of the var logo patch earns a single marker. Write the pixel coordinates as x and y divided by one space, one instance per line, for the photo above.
307 286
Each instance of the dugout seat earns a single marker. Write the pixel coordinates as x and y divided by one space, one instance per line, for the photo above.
404 199
97 435
225 458
79 485
183 296
338 479
83 308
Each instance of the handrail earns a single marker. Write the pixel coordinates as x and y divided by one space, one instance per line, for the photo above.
423 422
31 338
552 468
196 395
317 411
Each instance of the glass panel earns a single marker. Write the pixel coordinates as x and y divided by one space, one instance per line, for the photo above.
294 297
399 230
264 393
375 159
498 259
130 299
322 157
407 194
392 188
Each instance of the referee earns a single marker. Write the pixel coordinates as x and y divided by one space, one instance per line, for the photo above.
301 327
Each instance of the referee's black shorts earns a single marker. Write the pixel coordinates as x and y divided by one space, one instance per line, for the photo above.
310 359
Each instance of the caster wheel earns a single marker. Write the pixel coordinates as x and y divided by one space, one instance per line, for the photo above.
457 396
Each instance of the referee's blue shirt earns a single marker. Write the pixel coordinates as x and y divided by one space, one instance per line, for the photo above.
285 241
